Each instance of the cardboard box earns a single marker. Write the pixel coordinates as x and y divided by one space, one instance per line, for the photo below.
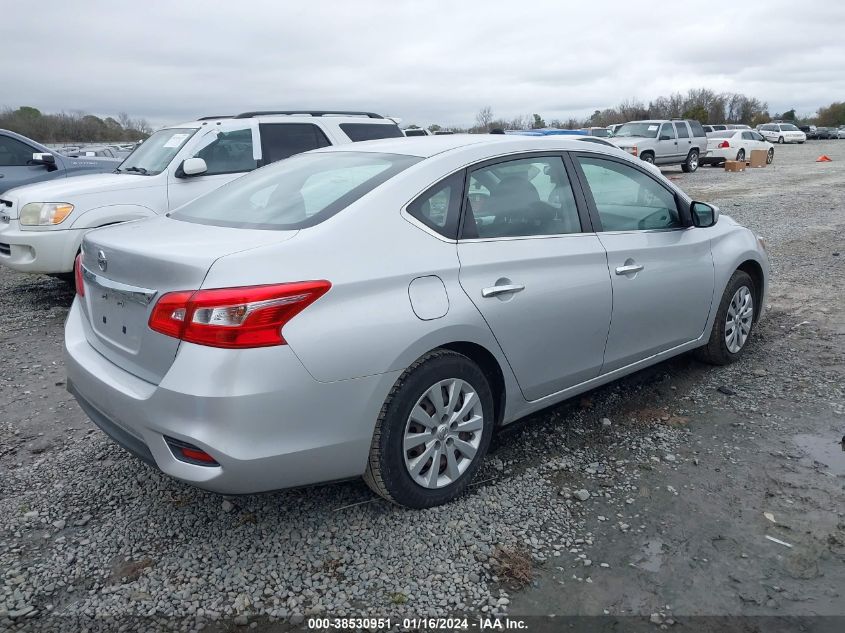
734 165
758 158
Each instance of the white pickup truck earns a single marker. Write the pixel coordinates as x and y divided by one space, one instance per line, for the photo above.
42 225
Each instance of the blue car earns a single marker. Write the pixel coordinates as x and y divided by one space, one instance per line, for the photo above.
23 161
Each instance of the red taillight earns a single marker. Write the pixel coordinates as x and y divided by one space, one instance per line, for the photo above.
251 316
197 455
77 275
724 145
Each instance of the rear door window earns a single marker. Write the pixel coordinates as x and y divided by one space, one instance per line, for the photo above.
681 127
282 140
697 128
370 131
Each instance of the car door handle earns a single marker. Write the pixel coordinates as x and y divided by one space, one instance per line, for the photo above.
494 291
628 269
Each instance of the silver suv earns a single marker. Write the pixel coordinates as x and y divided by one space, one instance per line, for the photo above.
678 142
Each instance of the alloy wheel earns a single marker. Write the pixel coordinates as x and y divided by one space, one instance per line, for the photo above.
443 433
738 319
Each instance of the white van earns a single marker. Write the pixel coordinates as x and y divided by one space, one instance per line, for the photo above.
42 225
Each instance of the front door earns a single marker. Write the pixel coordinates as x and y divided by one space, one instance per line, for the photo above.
667 144
537 273
661 270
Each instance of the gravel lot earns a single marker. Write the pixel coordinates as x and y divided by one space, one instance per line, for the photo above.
643 497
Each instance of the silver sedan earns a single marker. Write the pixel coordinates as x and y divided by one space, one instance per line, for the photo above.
380 309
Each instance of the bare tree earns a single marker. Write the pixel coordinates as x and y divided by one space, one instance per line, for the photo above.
484 118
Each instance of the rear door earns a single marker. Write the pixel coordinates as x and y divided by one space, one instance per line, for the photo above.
661 269
535 270
684 139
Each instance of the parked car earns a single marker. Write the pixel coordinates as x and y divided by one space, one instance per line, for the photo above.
44 224
708 129
602 132
679 142
826 133
782 133
614 127
809 131
840 133
24 161
416 131
103 151
349 312
735 145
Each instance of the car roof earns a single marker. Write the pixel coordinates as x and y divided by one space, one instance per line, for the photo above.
427 146
297 117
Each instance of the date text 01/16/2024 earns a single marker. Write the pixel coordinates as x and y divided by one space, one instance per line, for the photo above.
416 624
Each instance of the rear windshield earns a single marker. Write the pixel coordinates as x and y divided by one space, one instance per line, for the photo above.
370 131
296 193
723 134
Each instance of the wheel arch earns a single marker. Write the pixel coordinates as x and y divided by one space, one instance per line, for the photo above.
488 363
753 269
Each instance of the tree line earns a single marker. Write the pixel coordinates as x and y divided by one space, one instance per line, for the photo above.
701 104
73 127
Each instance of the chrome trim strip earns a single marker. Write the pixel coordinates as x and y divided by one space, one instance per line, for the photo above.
132 293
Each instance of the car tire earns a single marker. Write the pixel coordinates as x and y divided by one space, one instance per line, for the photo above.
770 156
647 157
691 163
740 289
780 140
740 156
392 459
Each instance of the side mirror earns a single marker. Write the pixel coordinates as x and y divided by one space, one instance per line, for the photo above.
703 215
665 137
43 158
191 167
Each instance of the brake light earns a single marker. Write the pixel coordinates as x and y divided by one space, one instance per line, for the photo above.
723 145
77 275
248 316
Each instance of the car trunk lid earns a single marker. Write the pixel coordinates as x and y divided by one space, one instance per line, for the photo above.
127 268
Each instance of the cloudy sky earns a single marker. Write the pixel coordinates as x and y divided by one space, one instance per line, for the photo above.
426 61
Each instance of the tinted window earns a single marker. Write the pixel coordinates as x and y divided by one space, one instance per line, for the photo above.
667 130
296 193
708 128
681 127
439 207
530 196
13 152
748 136
415 133
697 129
757 137
627 199
600 131
228 152
281 140
370 131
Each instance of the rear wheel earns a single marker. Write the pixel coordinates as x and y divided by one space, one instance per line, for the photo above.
734 322
691 163
780 140
770 156
740 155
432 433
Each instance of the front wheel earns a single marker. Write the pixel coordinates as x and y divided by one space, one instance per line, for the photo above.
740 156
734 322
770 156
780 140
691 163
647 157
433 431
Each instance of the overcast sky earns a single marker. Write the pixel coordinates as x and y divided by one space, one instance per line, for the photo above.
424 61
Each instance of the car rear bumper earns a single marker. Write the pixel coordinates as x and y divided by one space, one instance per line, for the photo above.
257 412
47 251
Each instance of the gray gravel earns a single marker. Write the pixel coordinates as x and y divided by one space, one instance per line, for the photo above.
90 535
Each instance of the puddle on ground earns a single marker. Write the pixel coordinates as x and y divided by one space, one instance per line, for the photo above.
825 450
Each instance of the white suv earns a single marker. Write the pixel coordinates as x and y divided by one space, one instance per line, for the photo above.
782 133
42 225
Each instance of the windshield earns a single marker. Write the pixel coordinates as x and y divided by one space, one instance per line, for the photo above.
646 129
789 128
154 155
296 193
